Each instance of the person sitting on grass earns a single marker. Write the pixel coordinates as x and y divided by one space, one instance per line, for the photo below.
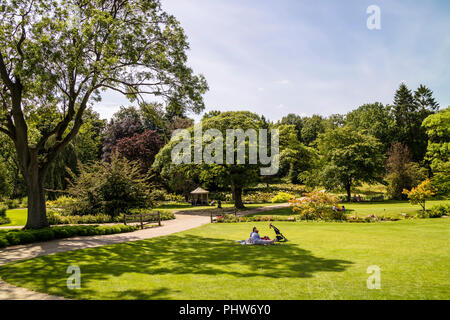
255 238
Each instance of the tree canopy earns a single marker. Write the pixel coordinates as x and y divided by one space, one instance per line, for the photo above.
235 176
57 56
348 158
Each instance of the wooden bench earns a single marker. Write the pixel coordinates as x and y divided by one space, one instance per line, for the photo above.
143 218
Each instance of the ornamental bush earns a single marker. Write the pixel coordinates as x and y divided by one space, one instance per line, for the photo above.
439 211
282 197
111 188
317 206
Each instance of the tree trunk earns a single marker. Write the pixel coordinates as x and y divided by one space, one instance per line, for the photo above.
37 217
348 189
237 196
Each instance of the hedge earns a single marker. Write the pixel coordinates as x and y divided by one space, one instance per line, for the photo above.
17 237
55 218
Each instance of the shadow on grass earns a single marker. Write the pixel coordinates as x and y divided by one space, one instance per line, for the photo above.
173 255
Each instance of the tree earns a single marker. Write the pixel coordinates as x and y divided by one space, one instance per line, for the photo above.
420 194
424 98
211 114
348 158
312 127
402 173
54 62
376 120
334 121
124 124
85 147
410 111
141 147
437 127
295 157
233 176
296 120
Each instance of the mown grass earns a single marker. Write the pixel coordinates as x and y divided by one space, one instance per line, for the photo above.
18 217
392 209
320 261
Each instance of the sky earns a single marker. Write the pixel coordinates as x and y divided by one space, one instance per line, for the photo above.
310 56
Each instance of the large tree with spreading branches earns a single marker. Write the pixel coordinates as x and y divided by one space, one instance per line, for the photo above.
57 56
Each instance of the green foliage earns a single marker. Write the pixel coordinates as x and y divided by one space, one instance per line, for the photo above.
376 120
317 206
296 121
16 203
311 129
231 218
409 111
258 197
110 188
348 158
63 202
439 211
295 157
421 193
224 176
282 197
55 218
3 218
402 173
438 152
18 237
55 62
6 186
211 114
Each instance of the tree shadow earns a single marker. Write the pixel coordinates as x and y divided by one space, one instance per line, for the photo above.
172 255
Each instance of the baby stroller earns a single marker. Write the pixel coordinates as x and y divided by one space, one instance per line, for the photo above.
280 237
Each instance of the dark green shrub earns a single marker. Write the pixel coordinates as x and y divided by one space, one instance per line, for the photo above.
439 211
44 235
13 238
3 211
113 188
12 203
26 237
3 218
17 237
3 242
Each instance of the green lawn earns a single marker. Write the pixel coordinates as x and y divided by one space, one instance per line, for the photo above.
321 261
18 217
392 209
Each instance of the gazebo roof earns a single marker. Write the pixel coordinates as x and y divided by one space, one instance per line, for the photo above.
199 191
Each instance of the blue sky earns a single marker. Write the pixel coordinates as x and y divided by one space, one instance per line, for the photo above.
310 57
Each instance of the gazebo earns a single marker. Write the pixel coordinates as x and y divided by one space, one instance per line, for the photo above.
199 197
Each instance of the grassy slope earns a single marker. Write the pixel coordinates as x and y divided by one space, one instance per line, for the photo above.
321 261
